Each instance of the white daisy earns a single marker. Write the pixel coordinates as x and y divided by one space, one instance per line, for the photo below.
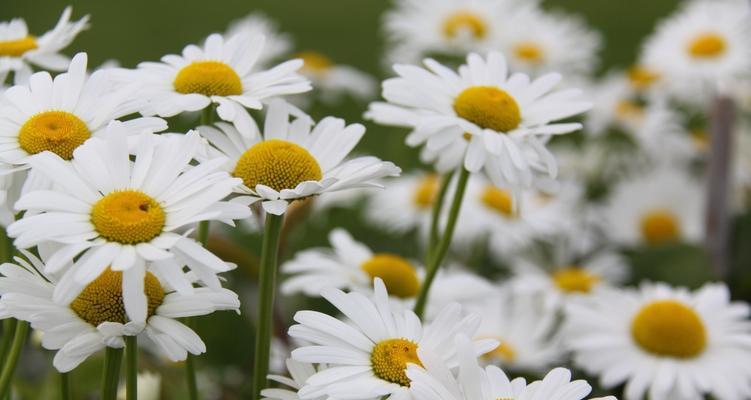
222 72
293 159
257 24
97 317
507 120
332 80
405 204
107 211
368 354
670 343
658 207
299 372
19 50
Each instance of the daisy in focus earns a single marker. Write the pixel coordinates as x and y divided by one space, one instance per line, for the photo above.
294 158
668 342
19 49
368 355
506 120
332 80
97 317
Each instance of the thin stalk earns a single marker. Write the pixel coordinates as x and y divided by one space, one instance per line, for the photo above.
207 115
436 215
66 390
266 285
131 368
19 337
443 245
190 369
112 360
9 327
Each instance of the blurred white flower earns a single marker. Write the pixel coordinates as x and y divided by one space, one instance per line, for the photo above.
149 387
257 24
331 81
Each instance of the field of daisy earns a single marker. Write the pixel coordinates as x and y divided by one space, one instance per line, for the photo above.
375 199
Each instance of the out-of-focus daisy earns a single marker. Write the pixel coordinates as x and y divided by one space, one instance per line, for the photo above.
405 204
257 24
506 119
149 387
19 49
293 158
222 72
670 343
661 206
109 212
97 317
332 80
368 354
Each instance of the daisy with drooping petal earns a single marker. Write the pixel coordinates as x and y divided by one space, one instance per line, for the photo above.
222 72
257 24
19 49
368 355
506 119
668 342
332 80
97 317
107 211
293 158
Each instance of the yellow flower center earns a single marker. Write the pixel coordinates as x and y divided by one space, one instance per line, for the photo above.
57 131
398 274
669 328
277 164
488 107
465 21
209 78
128 217
529 52
660 226
641 77
426 192
700 139
707 45
390 357
504 352
315 62
627 109
498 200
575 279
102 299
17 47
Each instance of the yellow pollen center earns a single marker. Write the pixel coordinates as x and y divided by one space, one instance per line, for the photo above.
426 192
641 77
488 107
277 164
315 62
209 78
57 131
627 109
390 357
17 47
669 328
530 52
102 299
128 217
574 279
700 139
504 352
465 21
498 200
707 45
398 274
660 226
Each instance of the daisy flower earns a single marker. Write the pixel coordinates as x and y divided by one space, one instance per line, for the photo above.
655 208
299 372
106 211
334 80
97 317
405 204
668 342
257 24
506 119
293 158
222 72
19 50
368 355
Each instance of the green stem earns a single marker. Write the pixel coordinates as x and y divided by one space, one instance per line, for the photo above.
443 245
190 361
266 284
131 367
207 115
66 391
9 368
436 215
203 232
9 327
112 360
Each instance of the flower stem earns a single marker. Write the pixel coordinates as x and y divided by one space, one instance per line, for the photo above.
436 215
112 360
190 368
9 328
266 284
207 115
66 391
131 367
443 245
9 368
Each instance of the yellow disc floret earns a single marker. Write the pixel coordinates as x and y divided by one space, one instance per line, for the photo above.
575 279
398 274
504 352
389 360
278 164
426 192
102 299
315 62
488 107
707 45
660 226
669 328
465 21
17 47
128 217
641 77
498 200
529 52
209 78
57 131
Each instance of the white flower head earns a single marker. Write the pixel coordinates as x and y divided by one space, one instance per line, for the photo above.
256 24
333 80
